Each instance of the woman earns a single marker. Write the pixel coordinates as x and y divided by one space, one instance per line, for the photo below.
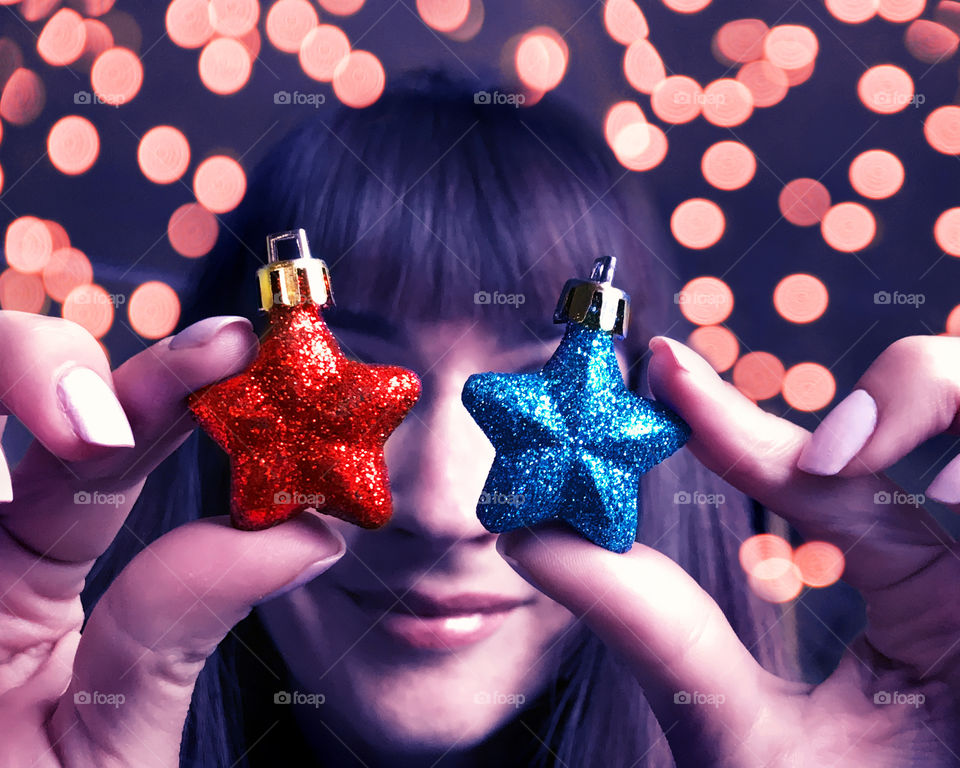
431 641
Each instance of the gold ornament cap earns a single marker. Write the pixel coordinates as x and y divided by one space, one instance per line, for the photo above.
292 282
595 303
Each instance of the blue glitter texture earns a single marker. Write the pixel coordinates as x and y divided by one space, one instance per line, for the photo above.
572 442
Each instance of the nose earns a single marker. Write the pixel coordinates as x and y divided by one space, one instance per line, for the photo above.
438 460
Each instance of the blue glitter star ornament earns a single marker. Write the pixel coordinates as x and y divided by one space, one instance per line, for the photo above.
572 441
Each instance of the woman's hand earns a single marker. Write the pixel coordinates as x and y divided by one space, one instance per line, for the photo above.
117 695
905 565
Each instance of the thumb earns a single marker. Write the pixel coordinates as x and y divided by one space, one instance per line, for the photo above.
152 631
701 682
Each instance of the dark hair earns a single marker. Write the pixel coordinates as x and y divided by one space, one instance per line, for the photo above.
416 203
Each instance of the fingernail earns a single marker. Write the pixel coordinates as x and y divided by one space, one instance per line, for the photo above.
840 435
309 573
946 485
203 331
92 409
684 357
504 542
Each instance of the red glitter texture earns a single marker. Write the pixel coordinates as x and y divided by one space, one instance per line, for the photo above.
305 427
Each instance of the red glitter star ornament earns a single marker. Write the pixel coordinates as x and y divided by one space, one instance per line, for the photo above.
303 425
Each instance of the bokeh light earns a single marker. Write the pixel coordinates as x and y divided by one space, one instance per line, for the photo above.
288 22
21 293
23 97
820 562
727 102
62 39
73 145
624 21
930 42
800 298
188 23
341 7
706 300
740 41
697 223
28 244
900 11
876 174
885 89
153 309
804 202
853 11
224 65
163 154
89 306
716 344
677 99
848 227
233 18
791 46
952 325
808 386
758 375
116 75
946 231
728 165
359 79
776 580
642 66
686 6
541 59
443 15
97 39
322 49
219 183
768 84
67 268
192 230
942 130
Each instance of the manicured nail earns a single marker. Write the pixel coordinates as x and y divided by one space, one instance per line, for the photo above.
946 485
203 331
840 435
6 487
307 575
684 357
92 409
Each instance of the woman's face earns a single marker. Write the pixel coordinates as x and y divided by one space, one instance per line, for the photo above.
421 638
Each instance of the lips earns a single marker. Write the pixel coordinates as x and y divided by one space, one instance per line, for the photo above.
434 622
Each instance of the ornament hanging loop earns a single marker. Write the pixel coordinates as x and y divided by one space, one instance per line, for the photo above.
292 282
595 303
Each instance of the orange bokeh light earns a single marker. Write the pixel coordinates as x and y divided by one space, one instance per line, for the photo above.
930 42
697 223
23 97
848 227
885 89
219 183
58 234
820 562
876 174
728 165
624 21
716 344
91 307
758 375
116 75
323 48
686 6
946 231
233 18
73 145
677 99
28 244
163 154
800 298
804 202
768 84
942 130
225 65
192 230
808 386
443 15
853 11
706 300
953 321
900 11
776 580
763 546
153 310
188 23
740 41
791 46
62 39
642 66
97 39
288 22
21 293
67 268
727 102
359 79
341 7
541 59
